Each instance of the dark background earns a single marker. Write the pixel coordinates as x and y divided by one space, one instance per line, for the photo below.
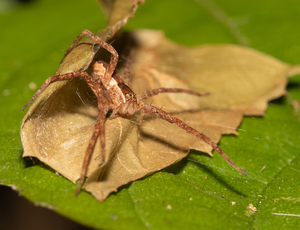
18 213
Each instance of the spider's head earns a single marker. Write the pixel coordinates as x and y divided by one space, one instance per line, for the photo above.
127 92
130 96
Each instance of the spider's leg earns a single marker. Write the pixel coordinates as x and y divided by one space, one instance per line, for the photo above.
114 58
142 113
154 92
102 122
62 77
126 77
116 110
99 129
166 116
113 115
83 33
88 153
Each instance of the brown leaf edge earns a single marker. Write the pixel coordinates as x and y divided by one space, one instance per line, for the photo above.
117 12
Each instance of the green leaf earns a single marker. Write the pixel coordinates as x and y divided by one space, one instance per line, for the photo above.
199 191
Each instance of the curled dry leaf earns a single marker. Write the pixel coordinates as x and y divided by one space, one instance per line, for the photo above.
117 13
49 123
59 124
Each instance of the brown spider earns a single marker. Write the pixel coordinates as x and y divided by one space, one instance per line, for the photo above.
115 94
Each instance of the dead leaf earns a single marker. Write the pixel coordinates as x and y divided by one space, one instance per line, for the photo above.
59 124
78 60
117 12
237 78
46 127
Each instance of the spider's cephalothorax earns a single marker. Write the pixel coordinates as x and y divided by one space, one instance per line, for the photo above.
114 93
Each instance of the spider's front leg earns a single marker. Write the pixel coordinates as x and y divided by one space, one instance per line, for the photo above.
99 129
114 58
126 76
89 80
152 110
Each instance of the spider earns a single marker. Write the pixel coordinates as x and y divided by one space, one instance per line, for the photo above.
114 94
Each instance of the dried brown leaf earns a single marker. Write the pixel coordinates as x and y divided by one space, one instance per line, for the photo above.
117 12
48 122
59 124
238 78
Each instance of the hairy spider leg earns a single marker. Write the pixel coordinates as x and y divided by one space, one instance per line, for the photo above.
154 92
149 109
127 70
89 80
114 58
99 129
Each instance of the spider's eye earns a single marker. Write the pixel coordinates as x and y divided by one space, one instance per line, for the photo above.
129 96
